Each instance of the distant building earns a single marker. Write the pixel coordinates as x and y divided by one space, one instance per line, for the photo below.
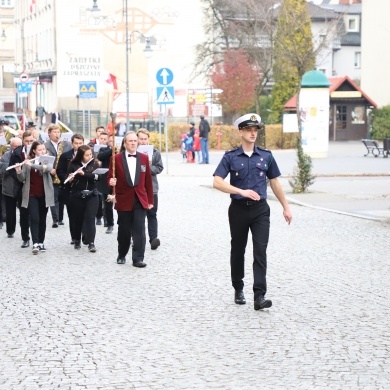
375 52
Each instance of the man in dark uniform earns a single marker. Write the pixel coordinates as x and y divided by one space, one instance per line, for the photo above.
249 167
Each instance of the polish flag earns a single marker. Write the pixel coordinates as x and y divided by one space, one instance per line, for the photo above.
32 5
111 79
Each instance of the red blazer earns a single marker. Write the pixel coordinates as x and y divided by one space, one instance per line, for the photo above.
125 189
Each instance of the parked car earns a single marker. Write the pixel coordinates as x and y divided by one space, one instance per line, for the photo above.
12 118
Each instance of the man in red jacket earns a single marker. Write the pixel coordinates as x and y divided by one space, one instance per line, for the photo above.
134 195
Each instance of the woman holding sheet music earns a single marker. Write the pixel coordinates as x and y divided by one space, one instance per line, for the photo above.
37 191
84 198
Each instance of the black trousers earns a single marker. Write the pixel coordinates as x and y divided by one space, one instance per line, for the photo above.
38 211
57 211
255 217
83 213
152 219
99 212
1 203
11 205
131 224
108 211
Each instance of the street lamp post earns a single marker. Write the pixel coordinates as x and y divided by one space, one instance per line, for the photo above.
147 51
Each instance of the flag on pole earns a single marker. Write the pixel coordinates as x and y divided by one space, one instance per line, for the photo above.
111 79
32 6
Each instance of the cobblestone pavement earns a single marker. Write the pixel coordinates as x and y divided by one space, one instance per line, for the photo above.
76 320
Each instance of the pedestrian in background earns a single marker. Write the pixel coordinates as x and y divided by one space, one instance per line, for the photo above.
196 146
40 113
204 130
249 167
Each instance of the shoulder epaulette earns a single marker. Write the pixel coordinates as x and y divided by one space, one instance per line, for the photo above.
263 149
231 150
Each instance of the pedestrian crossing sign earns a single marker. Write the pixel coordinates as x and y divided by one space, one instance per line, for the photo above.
165 95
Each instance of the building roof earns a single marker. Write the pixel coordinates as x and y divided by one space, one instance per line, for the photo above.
314 78
336 83
349 9
320 13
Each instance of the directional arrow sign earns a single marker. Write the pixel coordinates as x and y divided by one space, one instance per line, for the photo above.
165 95
164 76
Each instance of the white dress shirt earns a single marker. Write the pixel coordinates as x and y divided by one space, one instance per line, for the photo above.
132 164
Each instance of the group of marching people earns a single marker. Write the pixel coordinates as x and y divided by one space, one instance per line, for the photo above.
74 179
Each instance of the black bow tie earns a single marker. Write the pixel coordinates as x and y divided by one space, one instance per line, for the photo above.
131 155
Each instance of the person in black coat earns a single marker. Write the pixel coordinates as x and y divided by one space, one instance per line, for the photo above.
104 156
62 173
84 198
14 199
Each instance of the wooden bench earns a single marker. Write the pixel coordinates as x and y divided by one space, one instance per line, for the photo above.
373 148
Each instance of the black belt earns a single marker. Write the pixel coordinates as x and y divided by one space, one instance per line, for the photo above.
246 202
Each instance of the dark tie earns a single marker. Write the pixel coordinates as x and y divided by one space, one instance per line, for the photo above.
132 155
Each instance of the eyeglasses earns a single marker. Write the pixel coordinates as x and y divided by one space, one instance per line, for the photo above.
28 141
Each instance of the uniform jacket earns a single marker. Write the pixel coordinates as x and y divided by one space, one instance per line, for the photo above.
52 151
125 189
11 184
104 156
24 177
156 167
63 164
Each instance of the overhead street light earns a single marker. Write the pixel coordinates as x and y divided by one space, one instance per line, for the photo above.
147 52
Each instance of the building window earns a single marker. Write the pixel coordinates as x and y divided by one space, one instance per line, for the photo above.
6 3
341 117
352 24
357 115
357 59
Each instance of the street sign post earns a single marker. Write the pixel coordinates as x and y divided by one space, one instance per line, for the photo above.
24 77
164 76
165 95
87 89
24 87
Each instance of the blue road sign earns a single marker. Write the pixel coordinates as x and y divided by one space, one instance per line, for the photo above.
165 95
164 76
87 89
24 87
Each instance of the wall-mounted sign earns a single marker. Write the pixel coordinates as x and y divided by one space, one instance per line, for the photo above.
346 94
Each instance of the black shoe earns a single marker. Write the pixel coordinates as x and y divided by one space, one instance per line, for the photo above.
60 223
35 249
77 244
25 244
109 229
41 248
139 264
155 243
10 235
121 260
98 221
72 241
239 297
261 303
91 247
105 224
84 239
55 225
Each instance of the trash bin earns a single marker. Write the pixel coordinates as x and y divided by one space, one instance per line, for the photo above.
386 147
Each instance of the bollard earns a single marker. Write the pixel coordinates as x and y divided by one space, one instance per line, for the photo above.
219 134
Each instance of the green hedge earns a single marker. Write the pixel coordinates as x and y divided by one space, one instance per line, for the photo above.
230 138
